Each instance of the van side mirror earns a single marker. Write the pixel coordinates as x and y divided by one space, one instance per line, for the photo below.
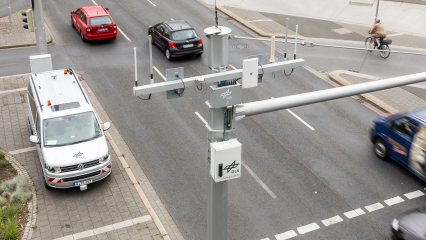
34 139
107 125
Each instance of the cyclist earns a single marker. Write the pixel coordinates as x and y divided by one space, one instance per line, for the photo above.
378 31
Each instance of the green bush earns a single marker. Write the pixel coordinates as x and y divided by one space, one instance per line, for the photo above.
20 196
19 182
3 201
9 230
4 164
1 155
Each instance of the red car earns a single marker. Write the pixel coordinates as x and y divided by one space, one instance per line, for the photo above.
93 23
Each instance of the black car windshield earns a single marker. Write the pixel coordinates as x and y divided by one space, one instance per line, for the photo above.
70 129
96 21
184 35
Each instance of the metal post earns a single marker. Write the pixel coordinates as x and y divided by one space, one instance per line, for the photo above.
217 193
285 46
272 50
377 11
295 42
150 59
39 27
10 11
136 68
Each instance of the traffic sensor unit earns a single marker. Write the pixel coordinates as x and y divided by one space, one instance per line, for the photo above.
225 160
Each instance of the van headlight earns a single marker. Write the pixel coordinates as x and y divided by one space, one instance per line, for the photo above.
104 158
395 224
52 169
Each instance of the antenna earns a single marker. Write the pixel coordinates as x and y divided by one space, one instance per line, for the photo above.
215 7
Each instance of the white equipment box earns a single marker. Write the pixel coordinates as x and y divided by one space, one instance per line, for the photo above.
225 160
41 63
250 72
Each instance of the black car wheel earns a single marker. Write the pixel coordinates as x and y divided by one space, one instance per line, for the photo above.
168 56
380 149
82 36
72 23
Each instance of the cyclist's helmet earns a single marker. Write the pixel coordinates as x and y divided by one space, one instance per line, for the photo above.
377 20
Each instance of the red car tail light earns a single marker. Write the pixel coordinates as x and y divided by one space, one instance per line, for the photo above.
172 45
200 42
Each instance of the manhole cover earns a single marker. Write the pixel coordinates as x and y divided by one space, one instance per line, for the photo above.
240 46
277 58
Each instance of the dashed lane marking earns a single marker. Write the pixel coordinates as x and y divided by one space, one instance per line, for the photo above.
298 118
374 207
393 201
286 235
202 119
152 3
354 213
261 20
159 73
117 26
308 228
332 220
259 181
414 194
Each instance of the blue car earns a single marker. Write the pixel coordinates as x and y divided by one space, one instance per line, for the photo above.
402 137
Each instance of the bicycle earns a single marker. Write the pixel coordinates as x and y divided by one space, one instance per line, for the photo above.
384 45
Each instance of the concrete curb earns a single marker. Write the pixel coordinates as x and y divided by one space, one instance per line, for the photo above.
32 205
335 75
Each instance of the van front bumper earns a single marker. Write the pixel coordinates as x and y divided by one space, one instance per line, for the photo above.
68 179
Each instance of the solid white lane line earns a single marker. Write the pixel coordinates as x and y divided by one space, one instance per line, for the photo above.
261 20
124 34
159 73
332 220
202 119
298 118
117 26
152 3
354 213
396 34
414 194
13 90
286 235
260 181
232 67
393 201
308 228
374 207
248 169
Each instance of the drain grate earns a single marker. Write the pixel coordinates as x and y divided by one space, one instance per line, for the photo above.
240 46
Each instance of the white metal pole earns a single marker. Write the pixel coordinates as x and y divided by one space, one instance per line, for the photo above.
136 68
377 11
150 59
272 50
295 42
10 11
285 46
39 27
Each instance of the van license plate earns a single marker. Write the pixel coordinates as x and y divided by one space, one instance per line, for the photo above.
83 183
187 45
102 29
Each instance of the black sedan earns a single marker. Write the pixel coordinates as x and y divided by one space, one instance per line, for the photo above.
176 38
410 225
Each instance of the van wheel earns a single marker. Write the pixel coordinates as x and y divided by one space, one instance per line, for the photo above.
49 188
380 149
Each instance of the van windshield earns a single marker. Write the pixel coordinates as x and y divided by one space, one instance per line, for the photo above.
70 129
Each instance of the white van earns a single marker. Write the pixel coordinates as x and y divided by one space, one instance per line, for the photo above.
71 145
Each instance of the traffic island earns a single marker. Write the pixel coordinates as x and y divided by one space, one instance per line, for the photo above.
17 214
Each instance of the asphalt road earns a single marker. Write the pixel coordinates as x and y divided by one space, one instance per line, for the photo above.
315 174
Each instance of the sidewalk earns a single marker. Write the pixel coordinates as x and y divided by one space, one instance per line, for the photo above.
391 100
397 16
272 24
122 206
14 35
